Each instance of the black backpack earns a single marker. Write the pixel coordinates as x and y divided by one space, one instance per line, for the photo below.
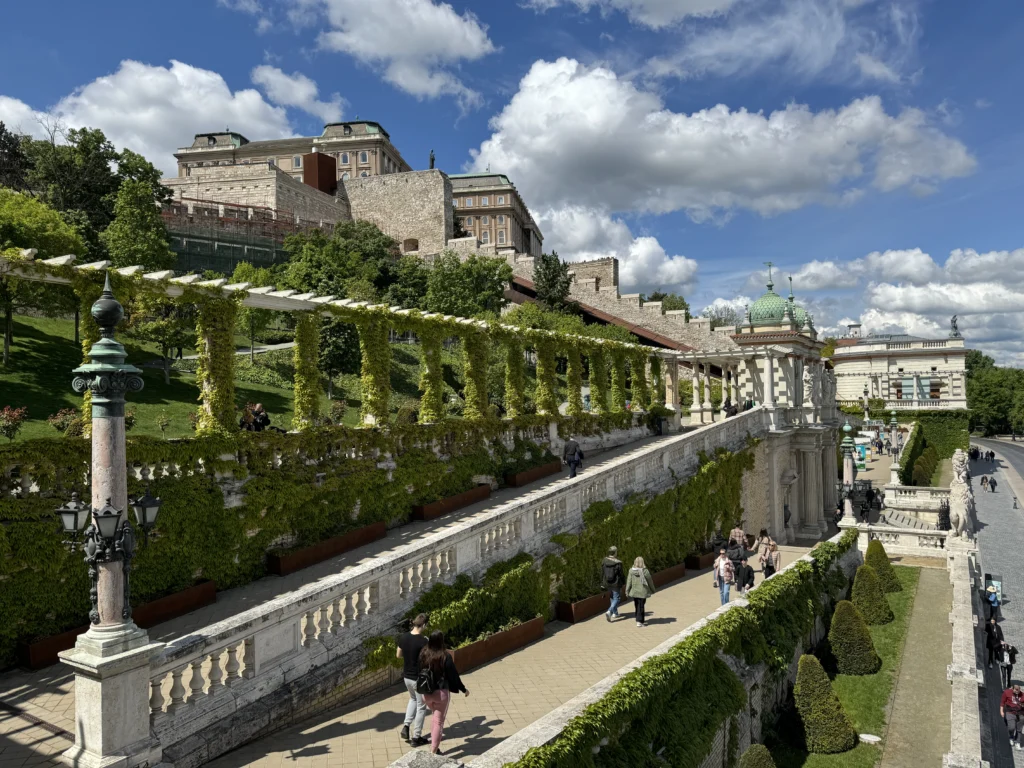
428 681
610 573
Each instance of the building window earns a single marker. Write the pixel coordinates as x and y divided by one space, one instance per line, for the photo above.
485 236
363 157
455 202
411 244
344 158
501 236
469 221
501 200
364 174
469 202
344 176
211 141
485 219
483 201
347 130
501 219
296 162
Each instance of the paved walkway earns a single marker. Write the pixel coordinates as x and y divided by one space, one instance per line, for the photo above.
923 695
1001 551
47 696
505 695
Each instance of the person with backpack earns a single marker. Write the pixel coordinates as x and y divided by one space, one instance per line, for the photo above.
613 578
410 644
723 575
639 586
1011 709
1006 665
572 455
437 681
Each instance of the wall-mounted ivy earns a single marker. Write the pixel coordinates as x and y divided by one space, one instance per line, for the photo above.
573 380
375 373
307 375
515 379
641 395
215 376
547 397
598 379
618 357
431 375
657 390
474 355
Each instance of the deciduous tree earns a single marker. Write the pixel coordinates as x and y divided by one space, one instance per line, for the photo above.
138 234
551 280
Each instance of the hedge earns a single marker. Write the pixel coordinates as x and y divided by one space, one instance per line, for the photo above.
868 597
757 756
851 642
944 431
912 450
877 558
827 728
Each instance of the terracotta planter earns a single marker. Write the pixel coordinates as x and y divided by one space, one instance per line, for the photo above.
583 609
668 575
476 654
438 508
700 562
42 653
289 562
519 479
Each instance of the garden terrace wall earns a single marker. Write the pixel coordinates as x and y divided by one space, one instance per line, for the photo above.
242 676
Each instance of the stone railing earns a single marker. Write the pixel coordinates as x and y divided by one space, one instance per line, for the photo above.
915 498
213 680
900 541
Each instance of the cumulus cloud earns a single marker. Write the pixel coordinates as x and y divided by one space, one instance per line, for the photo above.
565 138
153 110
649 13
416 44
296 90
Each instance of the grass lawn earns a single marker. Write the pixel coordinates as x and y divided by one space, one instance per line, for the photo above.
865 697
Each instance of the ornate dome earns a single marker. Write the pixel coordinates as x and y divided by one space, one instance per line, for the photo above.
769 309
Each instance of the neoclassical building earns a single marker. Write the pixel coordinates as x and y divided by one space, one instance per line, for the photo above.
905 371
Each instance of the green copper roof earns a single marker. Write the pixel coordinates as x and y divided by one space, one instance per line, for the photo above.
768 309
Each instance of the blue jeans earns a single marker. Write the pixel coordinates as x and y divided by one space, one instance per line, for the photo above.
723 590
573 464
616 599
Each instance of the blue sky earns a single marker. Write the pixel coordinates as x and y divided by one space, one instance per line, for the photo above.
870 148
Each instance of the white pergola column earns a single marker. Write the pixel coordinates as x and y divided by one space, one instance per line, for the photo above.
696 410
709 414
671 367
769 388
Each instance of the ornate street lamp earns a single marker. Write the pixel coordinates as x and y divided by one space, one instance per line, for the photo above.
145 508
73 518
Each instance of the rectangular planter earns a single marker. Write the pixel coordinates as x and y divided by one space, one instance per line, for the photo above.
289 562
519 479
583 609
43 652
444 506
497 645
668 575
700 562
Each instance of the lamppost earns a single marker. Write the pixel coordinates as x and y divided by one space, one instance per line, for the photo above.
893 429
112 659
849 470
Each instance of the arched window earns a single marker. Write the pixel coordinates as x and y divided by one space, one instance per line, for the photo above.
485 236
363 157
344 176
344 158
364 174
211 141
412 244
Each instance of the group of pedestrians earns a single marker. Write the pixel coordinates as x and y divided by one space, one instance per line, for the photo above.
733 565
976 454
638 585
1011 705
988 483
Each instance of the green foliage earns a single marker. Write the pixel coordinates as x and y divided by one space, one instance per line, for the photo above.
13 160
877 558
720 315
851 641
431 376
357 261
598 380
546 397
375 370
307 375
912 450
671 302
657 384
991 394
640 395
573 380
11 420
138 235
474 360
827 729
869 598
251 321
552 281
618 371
757 756
215 324
830 347
467 288
933 438
925 466
410 287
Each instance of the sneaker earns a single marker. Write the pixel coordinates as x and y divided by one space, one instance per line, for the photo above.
608 617
639 624
990 666
1016 746
420 741
405 733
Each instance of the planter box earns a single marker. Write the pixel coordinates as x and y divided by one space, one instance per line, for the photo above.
289 562
42 653
583 609
700 562
668 575
528 476
479 653
438 508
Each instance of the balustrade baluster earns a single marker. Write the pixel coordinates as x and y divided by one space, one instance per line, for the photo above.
372 598
349 610
309 631
414 577
196 683
156 695
216 675
403 583
432 565
360 605
232 666
324 625
442 563
177 690
336 616
452 564
249 659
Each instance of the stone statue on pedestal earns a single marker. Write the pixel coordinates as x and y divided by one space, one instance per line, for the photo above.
961 497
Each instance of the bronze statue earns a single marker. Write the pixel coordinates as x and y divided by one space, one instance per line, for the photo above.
431 159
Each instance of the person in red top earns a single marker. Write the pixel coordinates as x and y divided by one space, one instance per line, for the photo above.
1011 709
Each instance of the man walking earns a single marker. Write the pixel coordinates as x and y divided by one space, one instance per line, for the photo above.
992 485
409 646
1011 709
724 575
1006 665
572 456
744 577
613 577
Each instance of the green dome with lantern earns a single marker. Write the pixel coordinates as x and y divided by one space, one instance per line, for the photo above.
770 308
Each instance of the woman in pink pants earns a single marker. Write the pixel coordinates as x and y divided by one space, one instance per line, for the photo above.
442 667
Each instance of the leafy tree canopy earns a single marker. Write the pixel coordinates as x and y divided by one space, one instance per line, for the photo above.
551 280
993 395
976 361
720 315
252 321
670 302
357 261
138 234
13 160
467 288
830 347
410 287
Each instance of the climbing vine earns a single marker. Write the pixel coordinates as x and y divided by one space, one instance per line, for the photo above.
573 380
375 371
547 397
215 327
431 375
618 357
657 389
638 360
598 379
307 375
474 356
514 375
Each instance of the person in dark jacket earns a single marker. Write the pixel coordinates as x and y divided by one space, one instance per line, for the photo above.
744 576
410 645
572 455
992 485
1006 665
993 641
260 418
613 577
438 660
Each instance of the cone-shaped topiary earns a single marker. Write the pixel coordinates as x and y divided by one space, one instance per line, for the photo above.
879 560
757 756
827 729
851 641
869 598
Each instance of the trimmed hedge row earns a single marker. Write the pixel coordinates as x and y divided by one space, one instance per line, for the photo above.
877 558
827 728
869 598
851 642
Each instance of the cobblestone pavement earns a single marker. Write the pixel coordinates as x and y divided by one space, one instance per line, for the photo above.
1001 549
47 695
505 695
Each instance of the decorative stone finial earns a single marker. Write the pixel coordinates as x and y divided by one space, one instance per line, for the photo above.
770 283
107 311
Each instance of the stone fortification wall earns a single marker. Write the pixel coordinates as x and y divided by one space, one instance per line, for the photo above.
259 186
413 208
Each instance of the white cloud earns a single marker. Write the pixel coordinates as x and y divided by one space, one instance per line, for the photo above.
568 137
296 90
982 103
416 43
948 298
19 117
912 266
649 13
154 110
874 69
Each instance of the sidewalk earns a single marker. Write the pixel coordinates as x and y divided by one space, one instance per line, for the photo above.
505 695
1000 548
48 695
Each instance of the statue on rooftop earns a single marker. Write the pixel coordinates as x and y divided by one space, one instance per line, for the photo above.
954 331
431 159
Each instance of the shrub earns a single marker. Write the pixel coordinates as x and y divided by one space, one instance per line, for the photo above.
11 420
62 419
338 408
76 428
869 598
851 642
879 560
757 756
130 420
827 729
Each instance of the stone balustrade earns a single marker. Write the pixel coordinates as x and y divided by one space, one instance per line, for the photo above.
220 681
900 541
919 502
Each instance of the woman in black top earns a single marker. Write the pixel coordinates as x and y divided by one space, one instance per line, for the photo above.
436 658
